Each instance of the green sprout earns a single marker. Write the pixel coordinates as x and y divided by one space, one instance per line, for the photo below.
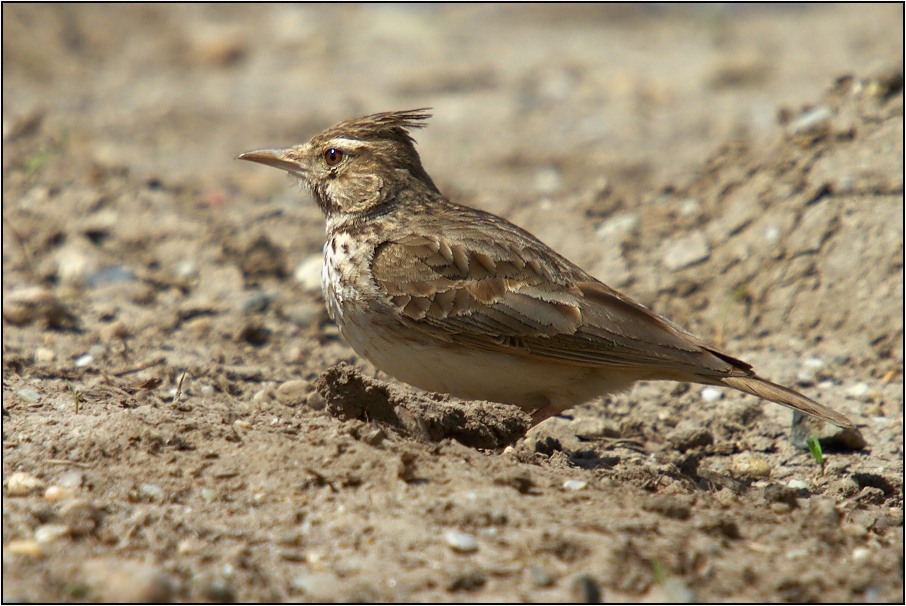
658 569
76 396
814 447
35 161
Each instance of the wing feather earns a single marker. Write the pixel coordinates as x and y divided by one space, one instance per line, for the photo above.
520 301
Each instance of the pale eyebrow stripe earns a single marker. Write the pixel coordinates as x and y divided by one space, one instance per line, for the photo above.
344 143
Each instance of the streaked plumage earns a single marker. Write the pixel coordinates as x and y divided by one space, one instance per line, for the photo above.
453 299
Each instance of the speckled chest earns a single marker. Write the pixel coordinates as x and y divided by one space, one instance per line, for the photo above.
346 274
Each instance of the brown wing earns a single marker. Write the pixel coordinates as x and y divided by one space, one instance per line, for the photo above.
506 298
520 300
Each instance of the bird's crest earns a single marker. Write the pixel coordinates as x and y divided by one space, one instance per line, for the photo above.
385 125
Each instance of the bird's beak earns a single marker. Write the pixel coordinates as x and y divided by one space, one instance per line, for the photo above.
278 158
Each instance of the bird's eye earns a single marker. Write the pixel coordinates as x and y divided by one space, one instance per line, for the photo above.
333 156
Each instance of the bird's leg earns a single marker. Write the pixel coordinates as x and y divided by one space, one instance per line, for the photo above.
546 412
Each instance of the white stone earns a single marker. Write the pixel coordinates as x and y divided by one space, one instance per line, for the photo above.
574 484
711 394
461 541
48 533
859 391
308 273
686 251
20 484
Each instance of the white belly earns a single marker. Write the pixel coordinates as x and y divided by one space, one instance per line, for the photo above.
475 374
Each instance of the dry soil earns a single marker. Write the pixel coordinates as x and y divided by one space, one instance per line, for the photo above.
168 433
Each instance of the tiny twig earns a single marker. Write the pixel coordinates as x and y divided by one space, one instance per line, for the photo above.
76 396
138 367
29 267
66 462
179 386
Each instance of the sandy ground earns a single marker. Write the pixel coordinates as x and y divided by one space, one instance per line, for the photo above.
166 435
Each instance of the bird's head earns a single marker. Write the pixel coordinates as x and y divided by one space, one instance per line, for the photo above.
357 165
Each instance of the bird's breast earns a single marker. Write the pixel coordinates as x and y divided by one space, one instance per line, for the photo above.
345 275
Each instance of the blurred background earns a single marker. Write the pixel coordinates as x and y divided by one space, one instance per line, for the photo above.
535 107
554 94
738 169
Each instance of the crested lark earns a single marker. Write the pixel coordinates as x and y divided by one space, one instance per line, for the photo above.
456 300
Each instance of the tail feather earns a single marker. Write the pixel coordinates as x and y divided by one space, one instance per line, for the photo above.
787 397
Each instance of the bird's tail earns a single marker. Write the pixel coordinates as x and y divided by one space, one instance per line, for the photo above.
787 397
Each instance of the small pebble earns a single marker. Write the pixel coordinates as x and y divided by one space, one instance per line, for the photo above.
44 354
28 395
616 226
218 589
678 507
797 554
54 493
316 401
31 549
292 393
595 427
115 274
672 591
256 303
30 303
81 516
125 581
690 208
688 435
797 485
811 121
749 466
114 331
808 370
462 542
859 391
48 533
153 492
686 251
585 590
541 576
547 179
861 553
308 273
72 479
711 394
209 494
21 484
317 585
856 531
781 508
374 437
207 391
189 547
469 579
823 512
264 394
771 233
303 313
83 360
574 484
186 269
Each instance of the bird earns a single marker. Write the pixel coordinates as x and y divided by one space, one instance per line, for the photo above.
455 300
